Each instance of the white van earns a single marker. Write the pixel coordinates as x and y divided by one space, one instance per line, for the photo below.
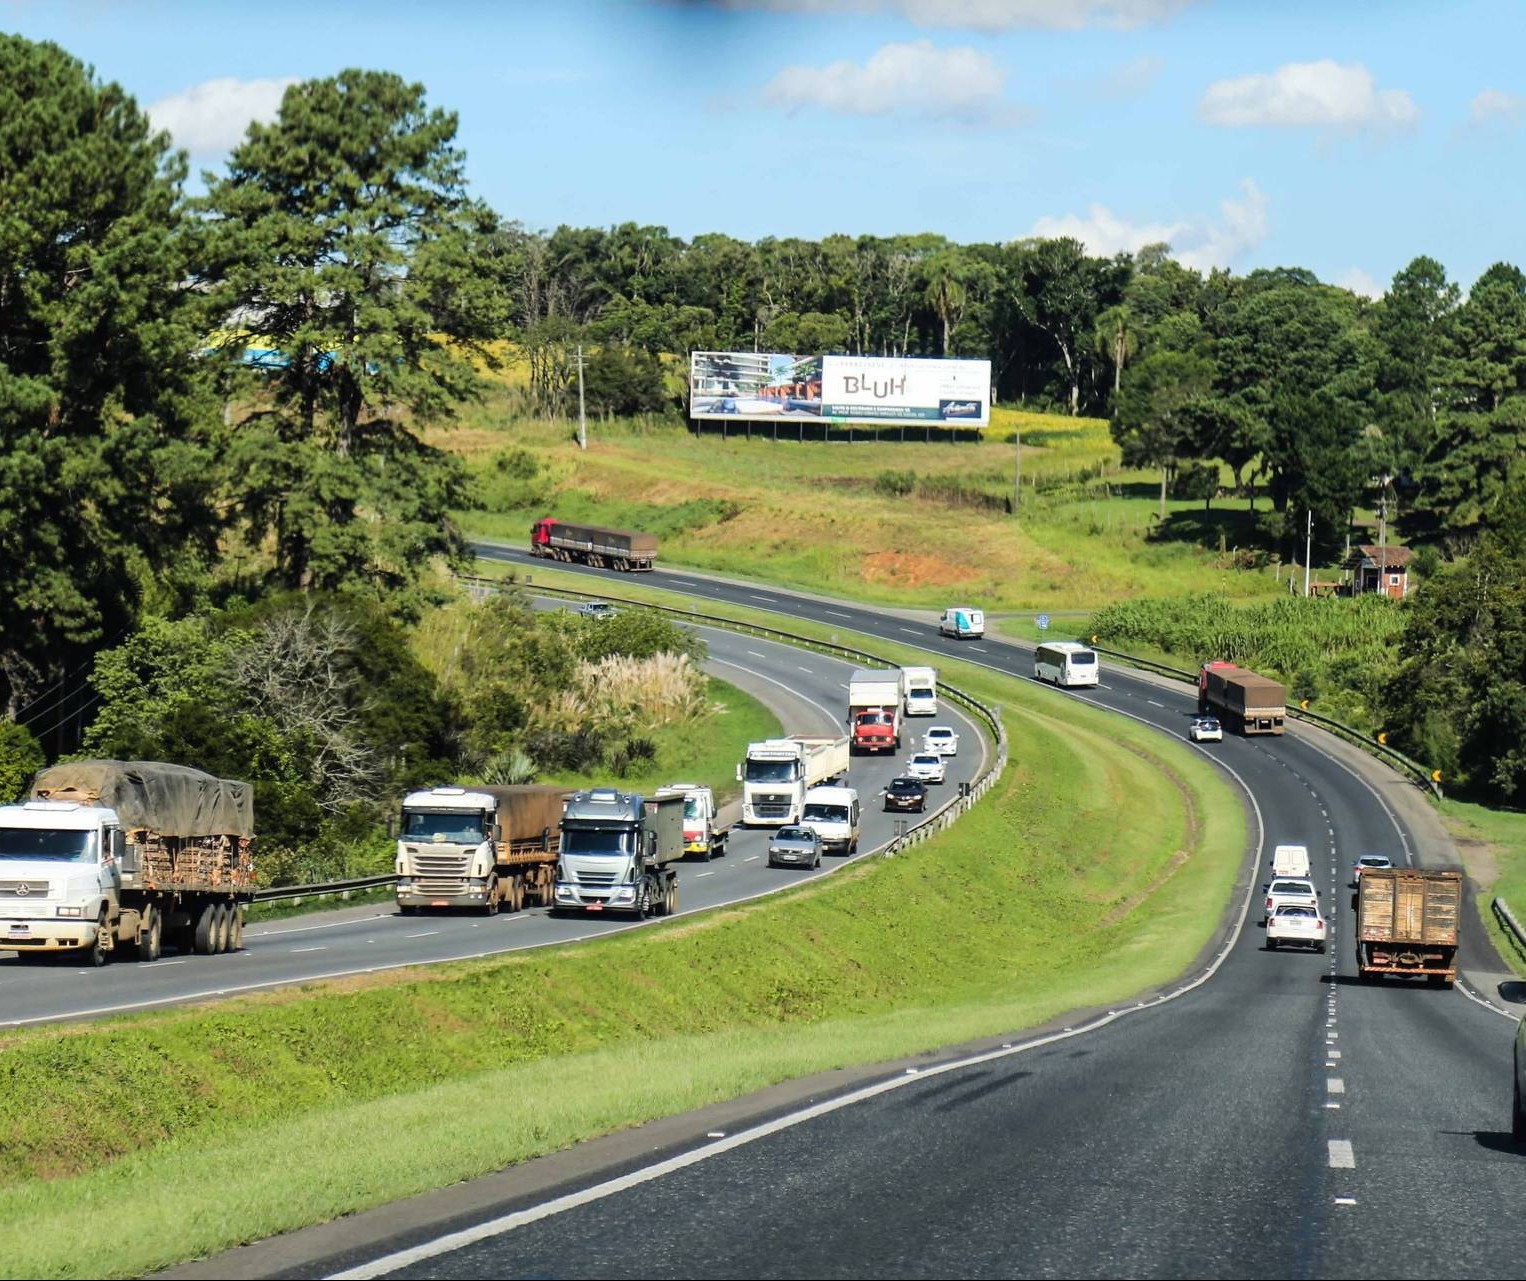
834 814
921 686
962 622
1291 860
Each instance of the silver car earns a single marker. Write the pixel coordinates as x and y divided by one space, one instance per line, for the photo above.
928 766
795 847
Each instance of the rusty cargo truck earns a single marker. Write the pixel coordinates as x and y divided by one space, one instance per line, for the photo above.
1245 702
1406 923
126 854
627 550
488 848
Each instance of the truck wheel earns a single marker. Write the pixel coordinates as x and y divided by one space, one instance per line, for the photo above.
151 938
224 928
673 899
490 903
100 950
1271 945
204 940
235 927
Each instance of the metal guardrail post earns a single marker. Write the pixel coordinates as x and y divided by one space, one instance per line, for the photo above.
1512 926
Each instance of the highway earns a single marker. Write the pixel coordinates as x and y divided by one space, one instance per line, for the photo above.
807 691
1270 1117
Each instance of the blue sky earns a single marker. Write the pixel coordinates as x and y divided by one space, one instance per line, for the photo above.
1343 137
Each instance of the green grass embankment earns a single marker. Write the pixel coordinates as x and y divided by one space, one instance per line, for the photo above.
134 1143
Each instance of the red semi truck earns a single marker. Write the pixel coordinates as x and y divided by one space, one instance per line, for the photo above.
622 549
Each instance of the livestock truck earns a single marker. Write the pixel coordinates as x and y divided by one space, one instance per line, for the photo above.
778 772
619 851
132 854
875 708
1406 923
1244 701
488 848
622 549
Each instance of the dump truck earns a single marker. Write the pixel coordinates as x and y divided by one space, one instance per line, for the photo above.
778 772
705 836
875 698
1406 923
130 854
618 852
489 848
622 549
1244 701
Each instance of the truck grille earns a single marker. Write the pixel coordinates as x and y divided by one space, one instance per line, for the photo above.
23 889
595 878
442 866
772 805
439 887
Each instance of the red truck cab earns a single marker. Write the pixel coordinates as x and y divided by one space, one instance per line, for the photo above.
875 731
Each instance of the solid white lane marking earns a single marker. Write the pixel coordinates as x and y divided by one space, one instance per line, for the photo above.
682 582
1341 1155
266 932
1335 1085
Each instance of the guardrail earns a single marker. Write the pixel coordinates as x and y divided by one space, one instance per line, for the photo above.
1423 775
938 820
279 892
1512 927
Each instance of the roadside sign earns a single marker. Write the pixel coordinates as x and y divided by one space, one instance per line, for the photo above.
1043 621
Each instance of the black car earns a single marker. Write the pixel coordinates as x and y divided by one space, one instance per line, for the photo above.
906 794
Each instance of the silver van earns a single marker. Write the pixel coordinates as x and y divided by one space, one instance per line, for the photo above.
834 813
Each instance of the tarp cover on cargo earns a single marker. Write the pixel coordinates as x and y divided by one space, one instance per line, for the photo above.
173 800
527 809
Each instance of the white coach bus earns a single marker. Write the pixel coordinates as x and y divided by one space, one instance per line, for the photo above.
1065 663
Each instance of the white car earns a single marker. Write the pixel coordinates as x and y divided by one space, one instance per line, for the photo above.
1290 891
928 766
1295 925
1205 729
942 740
1368 863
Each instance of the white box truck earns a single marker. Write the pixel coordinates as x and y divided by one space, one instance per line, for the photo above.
875 708
921 685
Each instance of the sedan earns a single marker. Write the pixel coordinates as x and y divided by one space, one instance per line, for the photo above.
906 793
1205 729
941 739
1366 863
1293 891
1295 925
797 846
928 766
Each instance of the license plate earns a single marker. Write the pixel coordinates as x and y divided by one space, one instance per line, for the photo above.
18 927
596 907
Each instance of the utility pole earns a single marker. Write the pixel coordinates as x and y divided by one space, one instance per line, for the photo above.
1308 544
582 410
1017 470
1383 535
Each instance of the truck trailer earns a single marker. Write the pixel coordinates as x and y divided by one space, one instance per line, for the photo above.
778 772
619 851
876 699
1244 701
1406 923
135 854
622 549
489 848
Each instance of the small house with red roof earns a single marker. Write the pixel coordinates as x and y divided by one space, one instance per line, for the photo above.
1379 569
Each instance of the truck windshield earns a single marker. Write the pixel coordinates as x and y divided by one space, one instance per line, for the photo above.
825 814
433 827
694 807
772 771
598 840
41 843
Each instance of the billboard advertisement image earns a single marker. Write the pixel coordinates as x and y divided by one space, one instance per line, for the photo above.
839 389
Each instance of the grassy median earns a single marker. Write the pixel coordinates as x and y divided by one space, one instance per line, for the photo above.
134 1143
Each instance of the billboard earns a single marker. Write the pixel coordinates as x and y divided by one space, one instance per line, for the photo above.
839 389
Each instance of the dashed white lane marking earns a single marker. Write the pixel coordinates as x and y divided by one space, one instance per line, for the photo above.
911 631
750 858
682 582
1341 1155
755 654
837 613
755 596
979 649
1335 1085
1345 1200
424 935
697 875
1153 703
1334 1054
319 948
1333 1107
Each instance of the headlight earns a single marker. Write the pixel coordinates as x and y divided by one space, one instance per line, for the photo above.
71 911
626 893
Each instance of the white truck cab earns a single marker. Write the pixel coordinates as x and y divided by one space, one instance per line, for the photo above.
61 876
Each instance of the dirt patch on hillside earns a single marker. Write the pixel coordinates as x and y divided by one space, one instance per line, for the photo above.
913 569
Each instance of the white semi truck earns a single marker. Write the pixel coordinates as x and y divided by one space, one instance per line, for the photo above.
778 772
489 848
137 854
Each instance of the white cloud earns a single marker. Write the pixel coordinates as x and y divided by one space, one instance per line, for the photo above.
1359 282
918 78
212 117
1496 106
1320 94
992 15
1201 243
